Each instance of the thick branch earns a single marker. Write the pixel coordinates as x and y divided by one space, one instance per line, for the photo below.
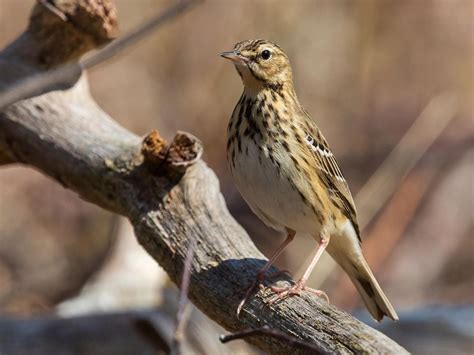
170 196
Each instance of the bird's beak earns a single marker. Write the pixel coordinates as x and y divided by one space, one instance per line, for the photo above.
234 56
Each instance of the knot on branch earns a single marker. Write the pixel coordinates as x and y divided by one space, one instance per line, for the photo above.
65 30
183 151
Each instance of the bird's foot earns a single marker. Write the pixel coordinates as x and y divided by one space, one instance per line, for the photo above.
259 282
295 290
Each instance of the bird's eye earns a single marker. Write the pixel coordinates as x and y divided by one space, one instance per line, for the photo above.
266 54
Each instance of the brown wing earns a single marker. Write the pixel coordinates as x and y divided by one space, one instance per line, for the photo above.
329 172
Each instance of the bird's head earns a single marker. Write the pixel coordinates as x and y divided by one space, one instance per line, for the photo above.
260 64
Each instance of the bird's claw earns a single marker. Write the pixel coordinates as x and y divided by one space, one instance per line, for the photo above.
259 282
296 289
249 290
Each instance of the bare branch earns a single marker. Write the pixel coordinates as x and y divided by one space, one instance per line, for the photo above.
266 330
138 34
183 311
424 131
171 197
66 75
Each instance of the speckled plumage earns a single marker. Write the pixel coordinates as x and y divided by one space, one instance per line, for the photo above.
286 171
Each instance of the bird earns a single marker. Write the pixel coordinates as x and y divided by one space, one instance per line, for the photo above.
286 172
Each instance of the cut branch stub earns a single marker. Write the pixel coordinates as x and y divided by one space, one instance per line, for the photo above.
166 205
154 148
183 151
65 30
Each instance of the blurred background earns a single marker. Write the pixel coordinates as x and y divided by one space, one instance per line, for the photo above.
366 71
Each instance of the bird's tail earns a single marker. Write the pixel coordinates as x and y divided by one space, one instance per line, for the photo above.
372 295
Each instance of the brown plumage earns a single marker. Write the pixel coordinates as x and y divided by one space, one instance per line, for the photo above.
287 173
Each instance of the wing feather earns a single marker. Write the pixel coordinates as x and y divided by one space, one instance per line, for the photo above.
329 172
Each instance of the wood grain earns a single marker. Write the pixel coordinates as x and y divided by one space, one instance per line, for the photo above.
167 192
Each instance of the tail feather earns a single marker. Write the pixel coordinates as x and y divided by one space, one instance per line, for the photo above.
372 295
346 250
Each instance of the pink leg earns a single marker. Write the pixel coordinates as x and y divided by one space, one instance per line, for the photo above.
300 285
261 273
289 238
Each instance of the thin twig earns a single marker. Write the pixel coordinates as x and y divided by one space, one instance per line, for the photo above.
137 35
69 73
266 330
183 313
427 127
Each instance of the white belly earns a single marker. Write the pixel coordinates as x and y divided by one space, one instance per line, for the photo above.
269 193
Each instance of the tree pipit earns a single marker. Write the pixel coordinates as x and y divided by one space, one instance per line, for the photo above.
285 170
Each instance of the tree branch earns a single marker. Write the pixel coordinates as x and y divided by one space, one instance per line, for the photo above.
266 330
170 197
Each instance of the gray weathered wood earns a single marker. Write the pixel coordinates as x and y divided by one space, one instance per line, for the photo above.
169 199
